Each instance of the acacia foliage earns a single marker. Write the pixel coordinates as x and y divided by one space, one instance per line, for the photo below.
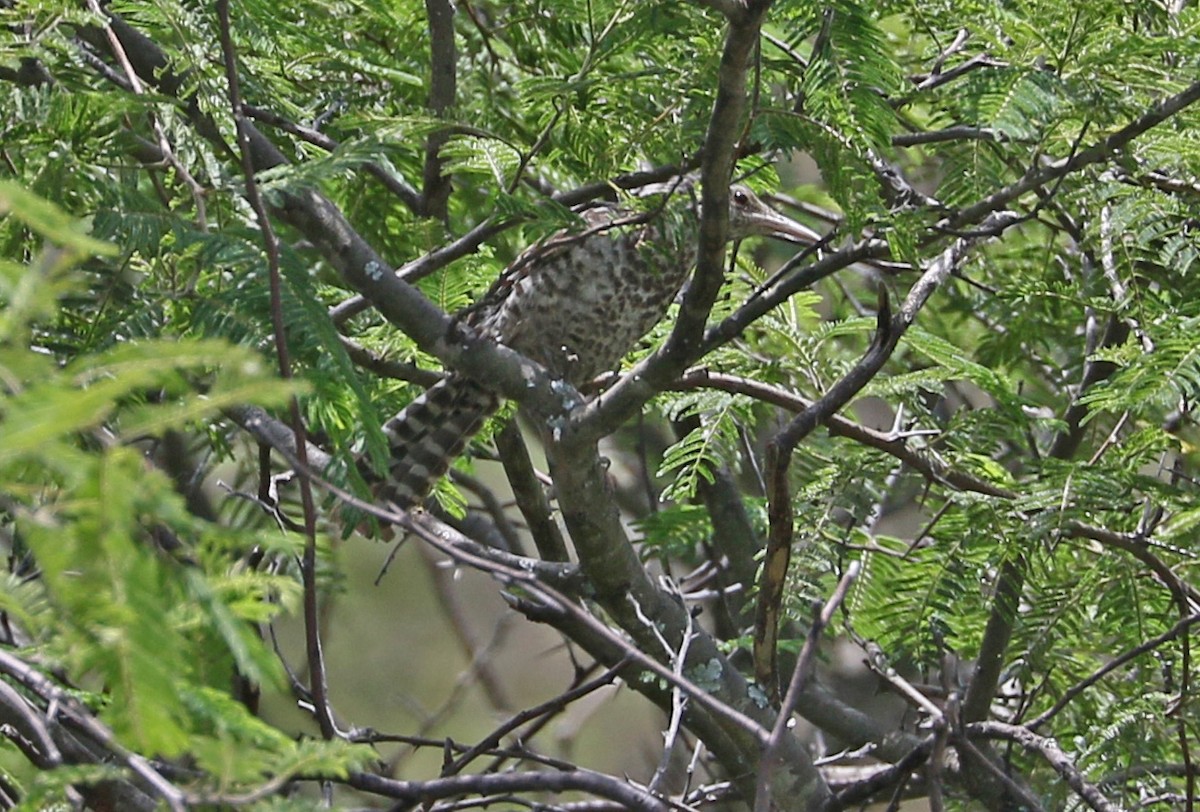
1043 440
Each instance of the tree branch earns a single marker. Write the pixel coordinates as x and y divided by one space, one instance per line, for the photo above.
353 257
779 450
392 182
625 792
443 80
977 704
924 460
800 677
684 344
1139 547
318 683
1049 750
527 490
1101 151
69 707
1110 666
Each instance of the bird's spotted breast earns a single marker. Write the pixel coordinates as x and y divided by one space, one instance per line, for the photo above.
581 307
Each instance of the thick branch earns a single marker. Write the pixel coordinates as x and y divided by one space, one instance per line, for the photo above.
996 635
606 554
720 145
442 83
531 499
352 256
317 218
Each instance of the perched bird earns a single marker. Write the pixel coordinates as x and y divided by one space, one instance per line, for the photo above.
576 304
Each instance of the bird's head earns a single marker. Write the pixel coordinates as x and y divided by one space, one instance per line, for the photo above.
750 217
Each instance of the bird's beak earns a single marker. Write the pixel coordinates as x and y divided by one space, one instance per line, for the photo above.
766 222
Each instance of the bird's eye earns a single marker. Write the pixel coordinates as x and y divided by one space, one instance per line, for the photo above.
740 198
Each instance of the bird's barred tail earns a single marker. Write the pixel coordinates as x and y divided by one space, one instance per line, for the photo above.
429 433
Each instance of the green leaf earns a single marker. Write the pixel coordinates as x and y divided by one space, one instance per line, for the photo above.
49 221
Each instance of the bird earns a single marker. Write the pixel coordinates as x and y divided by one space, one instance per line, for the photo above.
576 303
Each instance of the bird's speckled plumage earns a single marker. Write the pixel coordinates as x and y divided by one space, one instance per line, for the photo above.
576 303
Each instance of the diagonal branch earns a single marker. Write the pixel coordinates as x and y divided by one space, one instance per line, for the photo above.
925 461
359 264
779 450
1075 690
391 181
1138 545
71 709
978 212
1097 153
800 677
717 160
529 494
470 242
1050 751
622 585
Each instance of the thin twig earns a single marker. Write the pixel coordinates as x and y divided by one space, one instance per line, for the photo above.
961 132
800 676
529 575
164 144
604 786
779 450
877 662
1139 547
896 445
80 715
395 184
1050 751
975 757
388 368
486 744
1102 150
312 632
939 78
1110 666
679 701
896 774
24 727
